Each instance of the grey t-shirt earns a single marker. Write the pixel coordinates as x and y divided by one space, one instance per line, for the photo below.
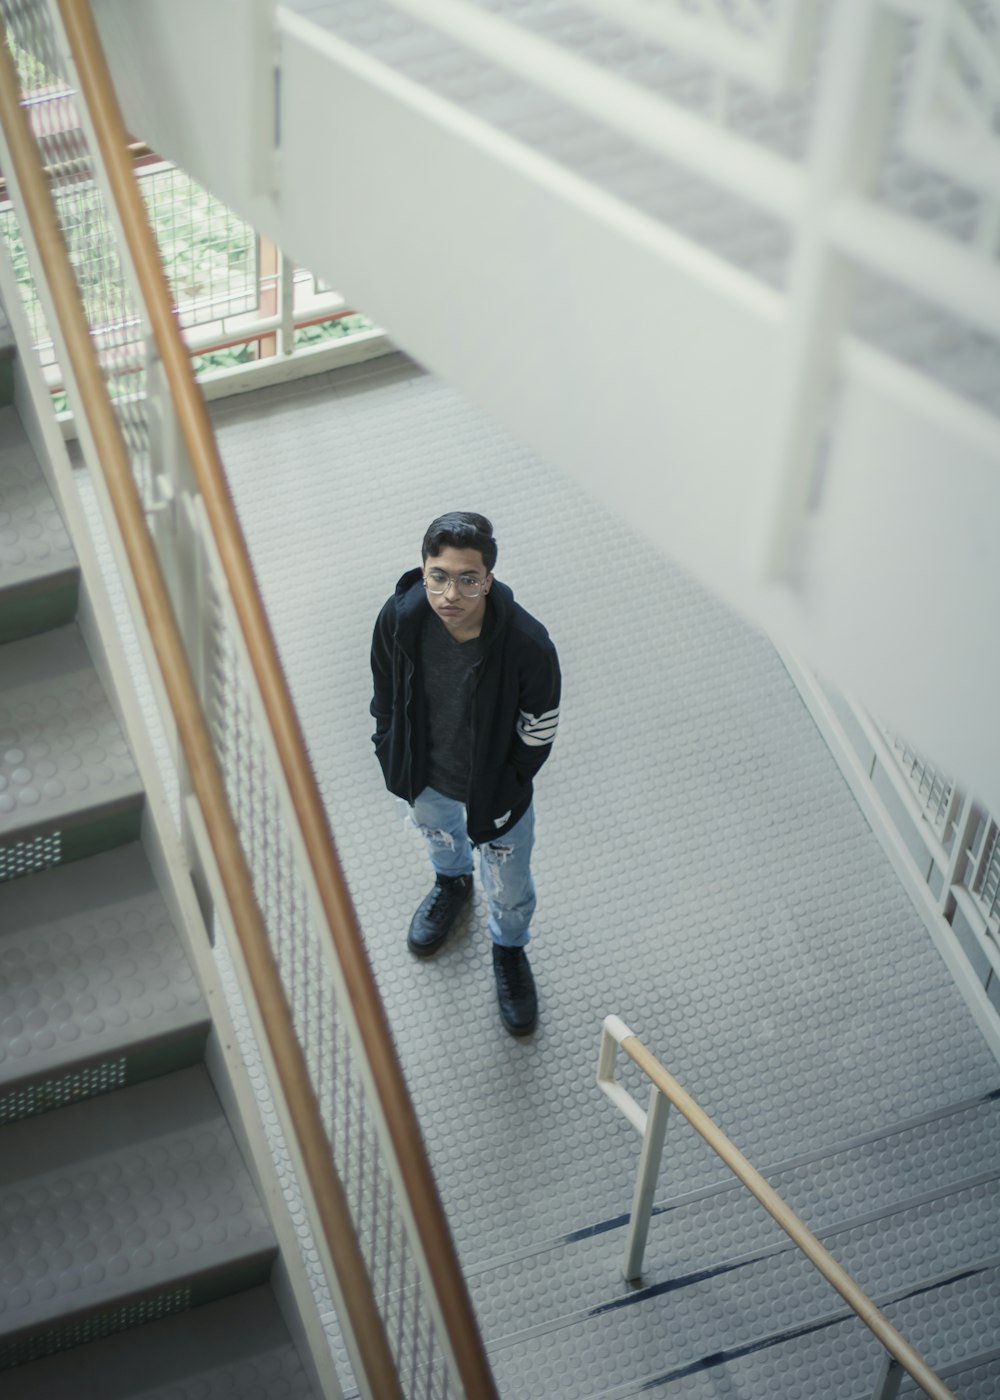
446 668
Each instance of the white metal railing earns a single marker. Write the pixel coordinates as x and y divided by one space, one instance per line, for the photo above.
984 884
933 790
966 851
941 839
665 1093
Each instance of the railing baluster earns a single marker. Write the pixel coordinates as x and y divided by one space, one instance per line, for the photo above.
888 1379
645 1184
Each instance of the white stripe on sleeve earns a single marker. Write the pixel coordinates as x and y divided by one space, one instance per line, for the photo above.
536 730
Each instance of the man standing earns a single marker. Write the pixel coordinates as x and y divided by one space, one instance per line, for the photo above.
466 707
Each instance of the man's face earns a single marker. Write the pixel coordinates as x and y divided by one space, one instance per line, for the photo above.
455 570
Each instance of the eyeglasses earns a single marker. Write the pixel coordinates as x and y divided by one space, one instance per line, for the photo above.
468 585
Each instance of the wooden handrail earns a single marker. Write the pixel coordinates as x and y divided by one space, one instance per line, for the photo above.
199 439
293 1073
817 1254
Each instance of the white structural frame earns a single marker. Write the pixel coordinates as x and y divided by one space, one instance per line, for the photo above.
802 475
767 47
963 147
853 93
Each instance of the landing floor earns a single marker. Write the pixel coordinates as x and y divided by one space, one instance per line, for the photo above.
703 870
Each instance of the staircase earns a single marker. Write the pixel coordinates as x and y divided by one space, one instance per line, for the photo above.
125 1198
727 1305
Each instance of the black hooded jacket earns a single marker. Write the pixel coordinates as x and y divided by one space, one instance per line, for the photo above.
514 699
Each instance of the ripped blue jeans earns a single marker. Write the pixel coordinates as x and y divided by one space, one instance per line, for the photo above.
504 864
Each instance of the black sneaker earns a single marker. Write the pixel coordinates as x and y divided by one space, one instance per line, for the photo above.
438 913
515 990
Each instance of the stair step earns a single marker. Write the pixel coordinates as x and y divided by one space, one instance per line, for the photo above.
68 786
977 1378
736 1310
234 1349
8 354
704 1229
38 569
95 989
836 1356
122 1210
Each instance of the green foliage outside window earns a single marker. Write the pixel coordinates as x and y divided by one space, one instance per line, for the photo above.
209 256
333 330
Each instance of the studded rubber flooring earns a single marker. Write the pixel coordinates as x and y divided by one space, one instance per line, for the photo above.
73 755
703 872
33 541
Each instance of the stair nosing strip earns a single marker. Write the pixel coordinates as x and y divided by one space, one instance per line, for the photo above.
40 583
259 1255
201 1019
83 816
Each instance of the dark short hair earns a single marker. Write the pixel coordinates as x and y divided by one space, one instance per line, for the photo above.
461 529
